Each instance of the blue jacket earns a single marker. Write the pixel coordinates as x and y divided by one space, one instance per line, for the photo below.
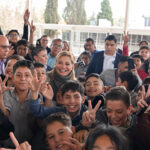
42 112
96 64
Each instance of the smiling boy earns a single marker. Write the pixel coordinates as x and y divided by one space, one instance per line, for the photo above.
73 97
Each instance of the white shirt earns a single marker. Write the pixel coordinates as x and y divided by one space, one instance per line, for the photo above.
108 61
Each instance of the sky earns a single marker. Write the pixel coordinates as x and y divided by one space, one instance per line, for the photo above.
138 8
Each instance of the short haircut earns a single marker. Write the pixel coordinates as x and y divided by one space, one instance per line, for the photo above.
144 47
72 85
114 134
144 42
111 38
138 56
60 40
22 42
118 94
44 36
90 40
146 80
36 50
123 59
94 75
130 78
59 117
23 63
86 53
38 65
13 31
16 57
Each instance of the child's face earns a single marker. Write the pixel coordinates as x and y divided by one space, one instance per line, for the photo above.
41 74
144 53
93 87
86 59
9 67
104 143
22 77
73 102
64 66
42 57
22 50
137 62
117 112
56 133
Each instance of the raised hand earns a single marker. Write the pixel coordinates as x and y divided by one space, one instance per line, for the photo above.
35 85
47 91
126 38
22 146
32 27
26 17
3 86
89 116
73 144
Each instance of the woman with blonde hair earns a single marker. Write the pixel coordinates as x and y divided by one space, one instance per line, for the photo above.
62 72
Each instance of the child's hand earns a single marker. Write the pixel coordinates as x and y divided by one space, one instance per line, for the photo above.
81 135
22 146
35 85
47 91
89 116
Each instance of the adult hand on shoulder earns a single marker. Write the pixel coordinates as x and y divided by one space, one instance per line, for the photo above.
22 146
89 116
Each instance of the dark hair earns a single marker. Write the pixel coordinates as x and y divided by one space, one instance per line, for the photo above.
86 53
23 63
142 42
112 132
94 75
13 31
123 59
144 47
90 40
72 85
146 80
60 117
138 56
118 94
17 57
44 36
38 65
22 42
111 38
36 50
81 79
131 79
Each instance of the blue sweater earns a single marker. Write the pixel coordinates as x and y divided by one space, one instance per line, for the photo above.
42 112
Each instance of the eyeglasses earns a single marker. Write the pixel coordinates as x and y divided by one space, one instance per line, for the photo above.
5 46
45 40
13 35
55 45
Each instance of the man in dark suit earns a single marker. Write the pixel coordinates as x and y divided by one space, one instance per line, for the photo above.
107 59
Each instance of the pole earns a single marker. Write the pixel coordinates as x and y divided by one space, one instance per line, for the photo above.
126 17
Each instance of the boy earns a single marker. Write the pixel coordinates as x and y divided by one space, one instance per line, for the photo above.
144 52
139 61
39 54
15 103
73 96
45 89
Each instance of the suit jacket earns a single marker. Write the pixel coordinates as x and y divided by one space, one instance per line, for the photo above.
96 64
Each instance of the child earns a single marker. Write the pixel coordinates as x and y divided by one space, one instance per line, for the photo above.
45 89
15 103
139 61
94 89
73 96
82 66
144 52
